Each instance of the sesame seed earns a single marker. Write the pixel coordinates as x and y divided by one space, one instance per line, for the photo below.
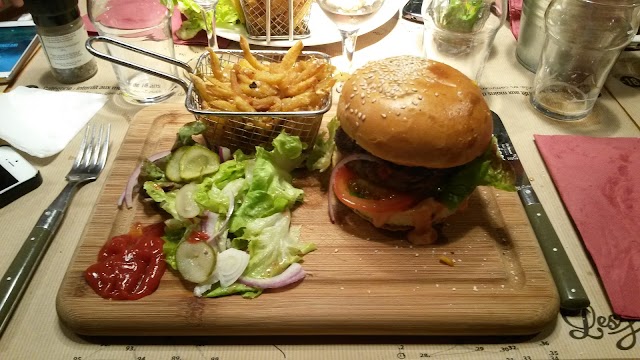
384 116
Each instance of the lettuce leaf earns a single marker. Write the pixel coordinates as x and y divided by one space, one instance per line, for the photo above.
247 292
185 134
273 245
228 13
167 200
322 151
462 16
270 190
486 170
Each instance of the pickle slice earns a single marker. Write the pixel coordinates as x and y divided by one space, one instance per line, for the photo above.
186 206
173 165
195 260
198 161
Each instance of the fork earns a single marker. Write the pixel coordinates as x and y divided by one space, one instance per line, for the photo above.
88 164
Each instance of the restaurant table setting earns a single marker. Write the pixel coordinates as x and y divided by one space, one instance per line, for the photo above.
582 169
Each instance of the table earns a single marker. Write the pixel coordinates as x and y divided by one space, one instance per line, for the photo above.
36 333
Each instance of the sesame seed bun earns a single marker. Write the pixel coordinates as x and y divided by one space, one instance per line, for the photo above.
415 112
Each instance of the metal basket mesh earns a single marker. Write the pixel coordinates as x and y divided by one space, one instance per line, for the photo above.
255 12
245 131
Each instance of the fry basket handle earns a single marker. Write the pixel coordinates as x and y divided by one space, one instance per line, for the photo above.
115 60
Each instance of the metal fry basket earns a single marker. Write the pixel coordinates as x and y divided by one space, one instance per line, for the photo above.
277 19
243 130
234 130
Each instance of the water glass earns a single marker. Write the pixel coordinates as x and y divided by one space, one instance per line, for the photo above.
531 37
460 33
583 40
145 24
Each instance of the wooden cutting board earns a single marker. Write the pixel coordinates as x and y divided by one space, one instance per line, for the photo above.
362 280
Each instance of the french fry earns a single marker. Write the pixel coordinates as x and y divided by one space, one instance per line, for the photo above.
219 89
291 56
201 87
244 45
258 93
215 64
297 102
301 87
242 104
264 104
222 105
268 77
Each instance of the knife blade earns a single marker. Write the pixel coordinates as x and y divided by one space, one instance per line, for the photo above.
572 295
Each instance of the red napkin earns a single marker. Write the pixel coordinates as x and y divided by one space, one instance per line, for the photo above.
599 182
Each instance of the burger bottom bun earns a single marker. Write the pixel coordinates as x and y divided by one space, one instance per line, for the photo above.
418 220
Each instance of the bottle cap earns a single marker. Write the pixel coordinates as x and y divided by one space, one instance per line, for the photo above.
52 12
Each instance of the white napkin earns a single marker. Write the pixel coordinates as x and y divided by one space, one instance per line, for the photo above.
41 122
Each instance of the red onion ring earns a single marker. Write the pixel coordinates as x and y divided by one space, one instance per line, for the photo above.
292 274
133 179
333 204
224 153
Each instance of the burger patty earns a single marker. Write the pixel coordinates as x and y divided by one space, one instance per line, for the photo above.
424 182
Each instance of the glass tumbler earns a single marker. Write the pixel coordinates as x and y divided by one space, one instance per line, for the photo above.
460 33
145 24
583 40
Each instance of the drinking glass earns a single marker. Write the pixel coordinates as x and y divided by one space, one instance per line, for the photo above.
582 43
460 33
210 26
349 16
147 25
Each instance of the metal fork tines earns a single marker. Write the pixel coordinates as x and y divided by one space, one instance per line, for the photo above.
92 154
89 162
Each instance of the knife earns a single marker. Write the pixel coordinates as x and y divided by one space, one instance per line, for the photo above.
572 294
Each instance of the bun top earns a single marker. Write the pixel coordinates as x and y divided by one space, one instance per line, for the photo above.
415 112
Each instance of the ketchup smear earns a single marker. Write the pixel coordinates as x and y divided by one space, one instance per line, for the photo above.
129 266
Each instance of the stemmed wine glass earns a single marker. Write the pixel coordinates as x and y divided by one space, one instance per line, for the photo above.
210 26
349 16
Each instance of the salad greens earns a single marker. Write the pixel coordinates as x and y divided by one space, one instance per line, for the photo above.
487 169
245 205
463 16
228 13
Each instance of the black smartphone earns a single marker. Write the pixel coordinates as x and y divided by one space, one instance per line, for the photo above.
17 176
18 41
412 11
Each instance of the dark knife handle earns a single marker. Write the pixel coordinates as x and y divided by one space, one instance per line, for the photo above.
572 294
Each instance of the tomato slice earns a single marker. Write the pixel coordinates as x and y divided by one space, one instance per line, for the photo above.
359 194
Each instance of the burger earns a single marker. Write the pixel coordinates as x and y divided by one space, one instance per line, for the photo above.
414 141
